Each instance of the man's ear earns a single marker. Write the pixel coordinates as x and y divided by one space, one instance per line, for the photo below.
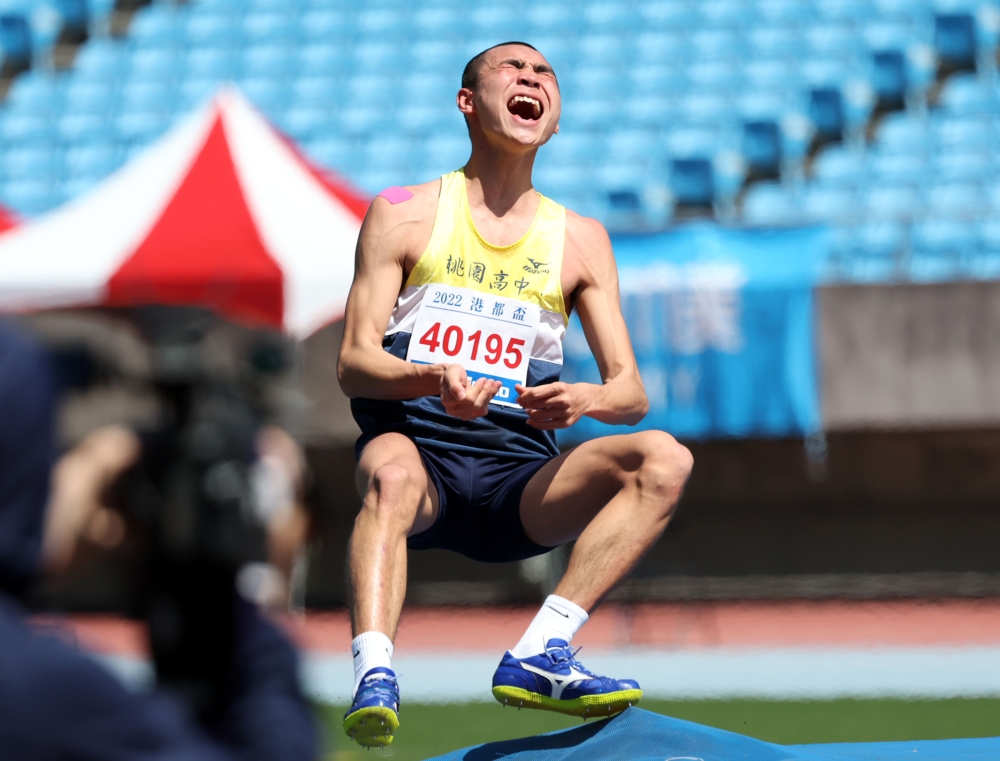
465 102
556 130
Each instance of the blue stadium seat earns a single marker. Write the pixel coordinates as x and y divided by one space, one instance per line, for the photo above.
83 128
233 7
327 26
899 168
213 63
16 47
578 113
612 17
789 12
377 56
776 43
221 30
661 48
963 166
312 91
941 249
270 95
363 120
889 78
159 64
435 55
718 78
841 167
385 152
158 26
771 76
845 10
35 94
967 95
555 180
716 45
422 120
880 249
761 147
85 97
648 111
688 142
148 96
25 163
732 14
900 133
584 80
94 161
575 148
668 15
962 134
602 48
376 181
631 145
985 260
270 60
707 110
271 29
307 122
955 40
29 197
554 19
833 41
957 199
25 129
692 181
140 127
656 79
893 201
331 152
826 204
442 153
768 203
324 58
102 59
826 111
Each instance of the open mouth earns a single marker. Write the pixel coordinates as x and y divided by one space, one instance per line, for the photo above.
525 106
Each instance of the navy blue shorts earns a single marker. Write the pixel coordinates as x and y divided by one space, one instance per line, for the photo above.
479 513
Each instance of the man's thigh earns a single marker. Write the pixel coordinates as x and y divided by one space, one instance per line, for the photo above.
563 497
386 454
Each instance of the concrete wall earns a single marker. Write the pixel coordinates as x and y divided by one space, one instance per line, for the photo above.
910 356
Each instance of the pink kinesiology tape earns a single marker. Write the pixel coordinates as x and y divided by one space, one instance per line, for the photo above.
396 195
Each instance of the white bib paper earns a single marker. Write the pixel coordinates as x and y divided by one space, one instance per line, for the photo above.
490 336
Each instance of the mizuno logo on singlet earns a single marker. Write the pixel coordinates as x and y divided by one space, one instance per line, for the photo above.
559 682
537 268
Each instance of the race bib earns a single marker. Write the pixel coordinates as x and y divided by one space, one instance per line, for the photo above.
490 336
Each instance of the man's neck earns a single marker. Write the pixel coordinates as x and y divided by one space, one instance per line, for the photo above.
500 181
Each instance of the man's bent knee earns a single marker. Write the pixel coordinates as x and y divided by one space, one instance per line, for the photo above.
666 466
393 495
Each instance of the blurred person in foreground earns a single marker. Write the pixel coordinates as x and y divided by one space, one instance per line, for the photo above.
451 355
57 703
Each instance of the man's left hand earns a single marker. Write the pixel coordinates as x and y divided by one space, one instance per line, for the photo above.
555 405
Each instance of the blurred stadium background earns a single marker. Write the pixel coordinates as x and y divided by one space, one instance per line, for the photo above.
813 185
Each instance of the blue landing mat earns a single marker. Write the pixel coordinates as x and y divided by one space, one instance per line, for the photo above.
638 735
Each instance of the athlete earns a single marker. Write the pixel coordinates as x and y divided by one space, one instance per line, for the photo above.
451 356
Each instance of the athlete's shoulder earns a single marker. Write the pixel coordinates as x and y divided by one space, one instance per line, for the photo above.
585 236
398 205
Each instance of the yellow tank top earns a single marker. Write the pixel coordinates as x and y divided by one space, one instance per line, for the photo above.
527 270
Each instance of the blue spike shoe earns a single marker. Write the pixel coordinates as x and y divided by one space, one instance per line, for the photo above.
556 681
374 715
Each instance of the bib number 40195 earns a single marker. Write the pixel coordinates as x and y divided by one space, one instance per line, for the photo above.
453 341
490 336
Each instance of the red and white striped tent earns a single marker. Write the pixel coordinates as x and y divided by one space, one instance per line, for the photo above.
8 219
222 211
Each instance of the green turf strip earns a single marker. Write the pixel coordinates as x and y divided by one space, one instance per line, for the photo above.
431 730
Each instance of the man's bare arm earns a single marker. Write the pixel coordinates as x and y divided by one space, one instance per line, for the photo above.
364 368
621 399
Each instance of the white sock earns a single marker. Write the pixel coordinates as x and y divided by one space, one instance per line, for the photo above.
558 619
370 650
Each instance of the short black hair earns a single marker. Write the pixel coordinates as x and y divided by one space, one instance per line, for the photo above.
470 74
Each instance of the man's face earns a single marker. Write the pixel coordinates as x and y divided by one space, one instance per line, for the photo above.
517 99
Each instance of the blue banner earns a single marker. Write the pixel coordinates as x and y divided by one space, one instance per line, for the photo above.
722 324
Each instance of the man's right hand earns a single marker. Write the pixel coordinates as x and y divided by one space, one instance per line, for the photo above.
463 399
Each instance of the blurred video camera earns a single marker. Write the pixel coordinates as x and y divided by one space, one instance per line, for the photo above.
194 498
